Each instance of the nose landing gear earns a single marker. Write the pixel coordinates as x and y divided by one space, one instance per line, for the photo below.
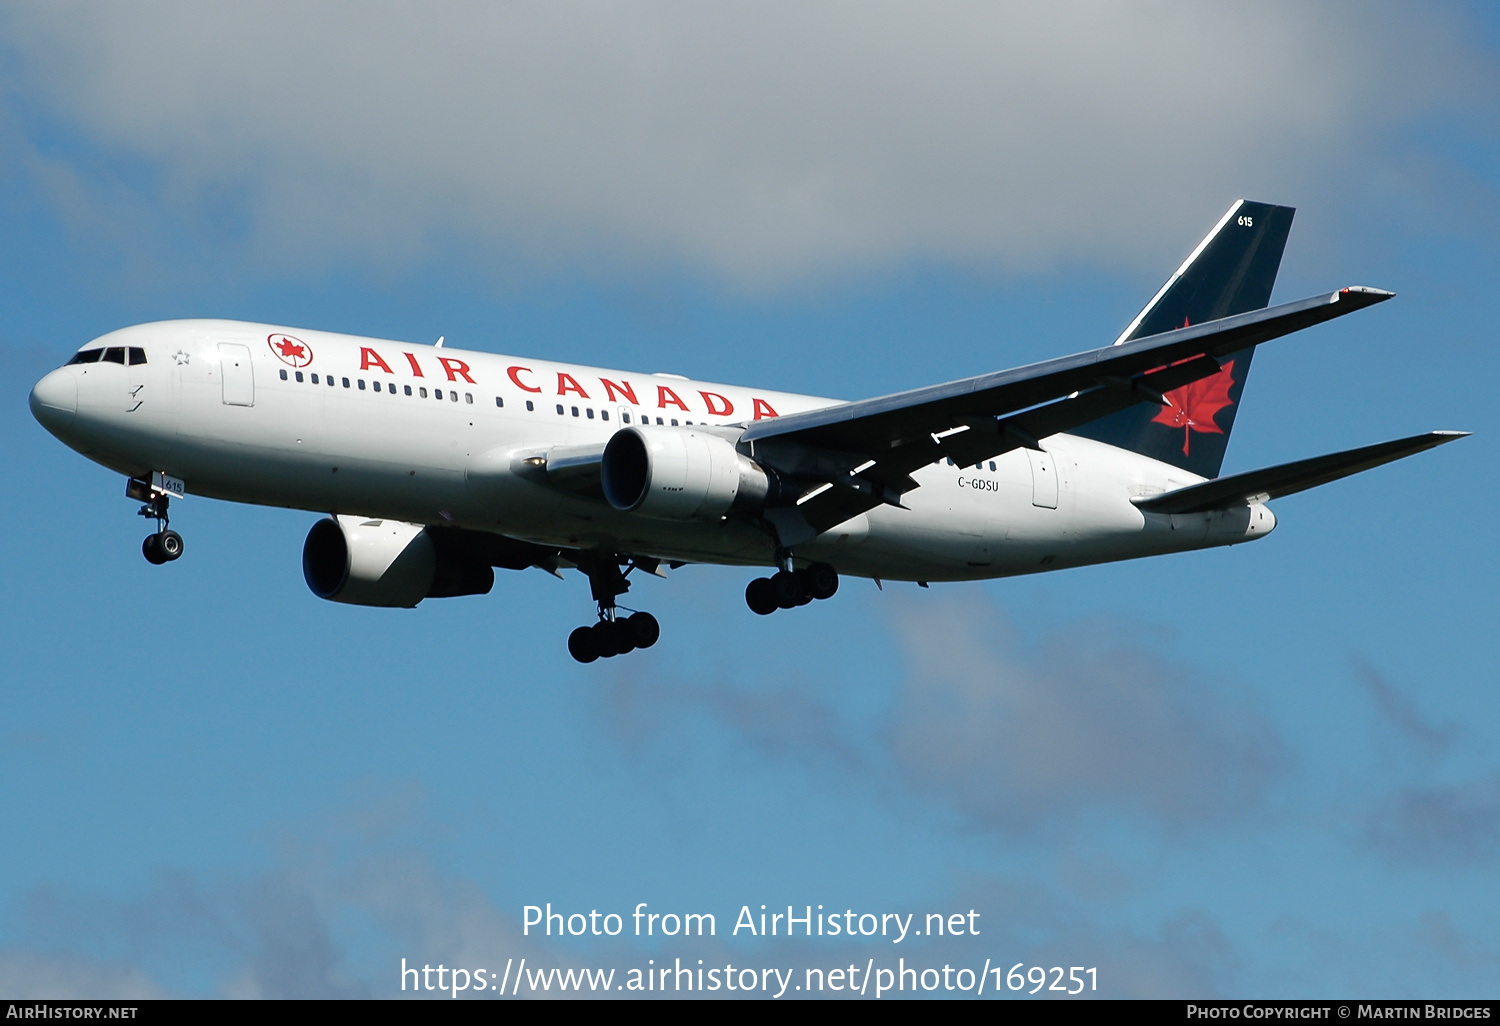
614 634
165 545
162 547
788 587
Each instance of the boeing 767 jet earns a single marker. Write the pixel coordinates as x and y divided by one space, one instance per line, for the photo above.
436 465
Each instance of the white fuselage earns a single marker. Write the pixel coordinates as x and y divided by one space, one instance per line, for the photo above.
430 435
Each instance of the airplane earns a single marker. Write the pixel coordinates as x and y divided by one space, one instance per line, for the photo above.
435 466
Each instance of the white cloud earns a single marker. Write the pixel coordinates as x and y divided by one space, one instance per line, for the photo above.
61 976
763 143
1449 825
1013 733
1082 719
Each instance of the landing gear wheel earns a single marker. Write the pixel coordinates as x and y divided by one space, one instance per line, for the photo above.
760 598
170 544
623 635
806 583
822 580
151 549
642 629
787 589
581 645
607 640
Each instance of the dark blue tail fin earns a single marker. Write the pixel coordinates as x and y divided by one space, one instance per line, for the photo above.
1231 272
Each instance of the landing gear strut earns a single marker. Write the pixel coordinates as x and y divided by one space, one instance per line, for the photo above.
165 545
790 587
614 634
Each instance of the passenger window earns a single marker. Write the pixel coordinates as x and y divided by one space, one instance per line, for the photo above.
137 355
377 386
453 396
603 414
674 421
423 392
625 417
299 377
469 398
575 411
559 409
361 384
992 465
283 375
499 401
314 379
114 354
658 421
87 356
346 382
330 381
408 390
590 412
530 408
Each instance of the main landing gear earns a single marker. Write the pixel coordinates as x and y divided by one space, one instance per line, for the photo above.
614 634
789 587
165 545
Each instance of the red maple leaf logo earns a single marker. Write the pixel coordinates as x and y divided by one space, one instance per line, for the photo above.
1193 406
289 350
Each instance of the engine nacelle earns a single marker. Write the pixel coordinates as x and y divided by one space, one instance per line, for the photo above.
677 473
385 563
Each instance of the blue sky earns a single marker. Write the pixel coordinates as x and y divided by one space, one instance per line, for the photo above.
1261 771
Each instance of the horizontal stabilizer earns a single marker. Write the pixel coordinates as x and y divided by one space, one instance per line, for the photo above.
1274 482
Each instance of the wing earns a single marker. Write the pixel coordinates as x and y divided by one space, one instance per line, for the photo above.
860 454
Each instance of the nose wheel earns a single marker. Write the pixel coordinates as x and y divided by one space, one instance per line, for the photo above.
162 547
166 544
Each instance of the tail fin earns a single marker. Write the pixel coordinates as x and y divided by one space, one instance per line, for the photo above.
1230 272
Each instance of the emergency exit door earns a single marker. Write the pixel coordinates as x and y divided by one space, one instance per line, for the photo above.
1043 479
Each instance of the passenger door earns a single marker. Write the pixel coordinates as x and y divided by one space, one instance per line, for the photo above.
236 374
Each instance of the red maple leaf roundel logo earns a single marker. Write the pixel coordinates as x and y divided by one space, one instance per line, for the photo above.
1192 407
291 351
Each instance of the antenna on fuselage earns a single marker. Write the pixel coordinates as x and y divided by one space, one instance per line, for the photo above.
439 343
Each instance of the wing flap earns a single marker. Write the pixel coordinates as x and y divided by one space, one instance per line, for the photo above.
1289 478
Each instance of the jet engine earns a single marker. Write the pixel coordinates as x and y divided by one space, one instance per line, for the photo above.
385 563
678 473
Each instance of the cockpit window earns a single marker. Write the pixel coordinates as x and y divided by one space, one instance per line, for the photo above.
114 354
137 355
87 356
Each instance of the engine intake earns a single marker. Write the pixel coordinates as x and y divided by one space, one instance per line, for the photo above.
679 473
385 563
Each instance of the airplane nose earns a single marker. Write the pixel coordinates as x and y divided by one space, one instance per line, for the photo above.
54 400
